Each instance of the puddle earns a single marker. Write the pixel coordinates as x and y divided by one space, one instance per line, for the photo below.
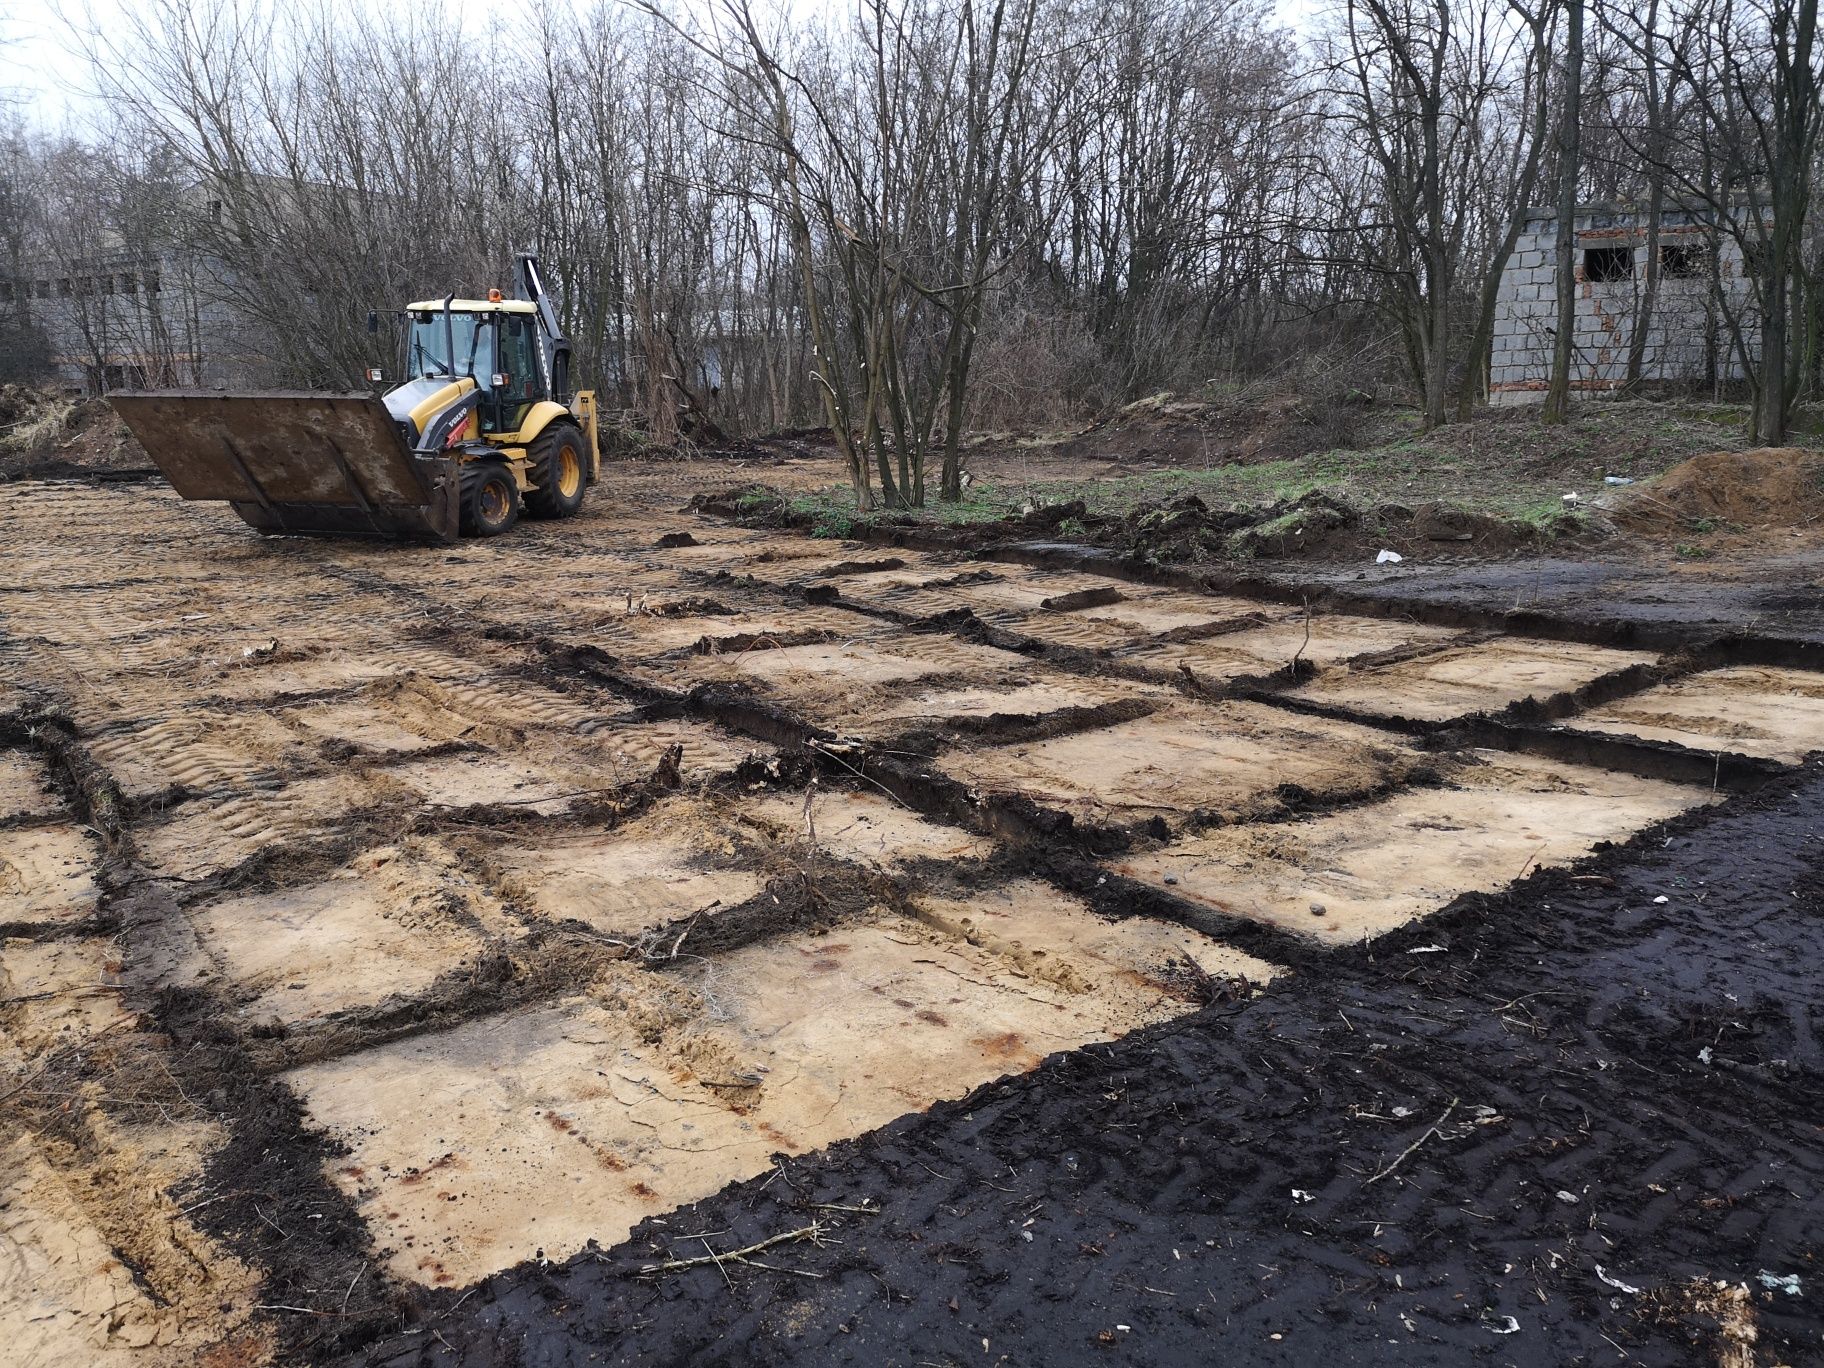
1481 678
1375 867
1224 758
47 874
1750 710
540 1130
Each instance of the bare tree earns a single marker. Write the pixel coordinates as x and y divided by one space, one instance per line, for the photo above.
1570 134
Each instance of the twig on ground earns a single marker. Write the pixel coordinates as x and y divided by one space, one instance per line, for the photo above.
811 1232
351 1286
1406 1153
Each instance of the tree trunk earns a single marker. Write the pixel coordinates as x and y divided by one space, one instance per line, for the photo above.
1570 137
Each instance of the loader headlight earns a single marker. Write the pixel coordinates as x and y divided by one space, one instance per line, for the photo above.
374 375
501 381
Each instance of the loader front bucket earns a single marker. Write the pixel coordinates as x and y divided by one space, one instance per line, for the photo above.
297 462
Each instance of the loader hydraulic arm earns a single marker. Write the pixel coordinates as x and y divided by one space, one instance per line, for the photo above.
554 347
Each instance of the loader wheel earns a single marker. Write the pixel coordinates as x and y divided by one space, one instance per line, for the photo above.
490 499
560 468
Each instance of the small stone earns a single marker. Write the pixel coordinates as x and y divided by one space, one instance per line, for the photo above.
1171 878
1317 909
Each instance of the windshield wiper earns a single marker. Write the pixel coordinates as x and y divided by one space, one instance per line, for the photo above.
427 360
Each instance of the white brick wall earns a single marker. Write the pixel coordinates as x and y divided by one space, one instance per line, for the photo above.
1526 310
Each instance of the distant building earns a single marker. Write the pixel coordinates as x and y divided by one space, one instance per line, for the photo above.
1703 283
142 314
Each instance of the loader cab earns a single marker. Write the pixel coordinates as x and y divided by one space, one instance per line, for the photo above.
489 340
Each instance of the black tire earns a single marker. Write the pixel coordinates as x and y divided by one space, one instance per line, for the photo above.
490 498
559 457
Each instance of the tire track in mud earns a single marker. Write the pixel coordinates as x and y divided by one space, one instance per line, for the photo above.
1381 1165
268 1179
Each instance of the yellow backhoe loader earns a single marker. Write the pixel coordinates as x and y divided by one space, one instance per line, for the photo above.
483 426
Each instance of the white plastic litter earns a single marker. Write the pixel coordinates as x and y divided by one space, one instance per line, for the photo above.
1618 479
1504 1325
1781 1282
1615 1283
1389 558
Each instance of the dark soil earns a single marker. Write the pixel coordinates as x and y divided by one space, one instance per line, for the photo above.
1380 1161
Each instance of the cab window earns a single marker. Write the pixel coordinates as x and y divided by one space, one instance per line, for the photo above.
519 359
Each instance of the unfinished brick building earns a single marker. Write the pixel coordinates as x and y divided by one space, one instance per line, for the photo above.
1688 339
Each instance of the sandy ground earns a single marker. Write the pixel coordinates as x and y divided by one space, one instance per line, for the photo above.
383 919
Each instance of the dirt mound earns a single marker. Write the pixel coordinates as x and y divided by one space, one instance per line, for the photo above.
1170 430
1766 487
47 433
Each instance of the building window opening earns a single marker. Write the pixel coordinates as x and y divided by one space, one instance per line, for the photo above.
1606 264
1683 261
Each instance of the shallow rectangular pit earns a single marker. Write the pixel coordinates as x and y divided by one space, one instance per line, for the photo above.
1366 870
25 788
61 991
1223 758
199 753
47 875
1745 709
387 923
1485 677
671 864
335 660
866 828
1026 699
548 775
1327 639
643 635
540 1130
834 682
206 838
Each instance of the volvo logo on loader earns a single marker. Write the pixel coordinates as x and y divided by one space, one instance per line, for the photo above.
483 427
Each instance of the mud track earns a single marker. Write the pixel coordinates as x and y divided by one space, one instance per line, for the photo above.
406 946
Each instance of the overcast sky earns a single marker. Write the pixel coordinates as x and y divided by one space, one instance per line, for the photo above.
43 74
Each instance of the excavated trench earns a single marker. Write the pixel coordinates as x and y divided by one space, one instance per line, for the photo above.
367 931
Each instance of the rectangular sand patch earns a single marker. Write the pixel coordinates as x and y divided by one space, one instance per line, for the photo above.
1327 639
866 828
387 923
25 788
540 1130
623 882
199 754
1746 709
1482 678
47 875
1359 873
1222 758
